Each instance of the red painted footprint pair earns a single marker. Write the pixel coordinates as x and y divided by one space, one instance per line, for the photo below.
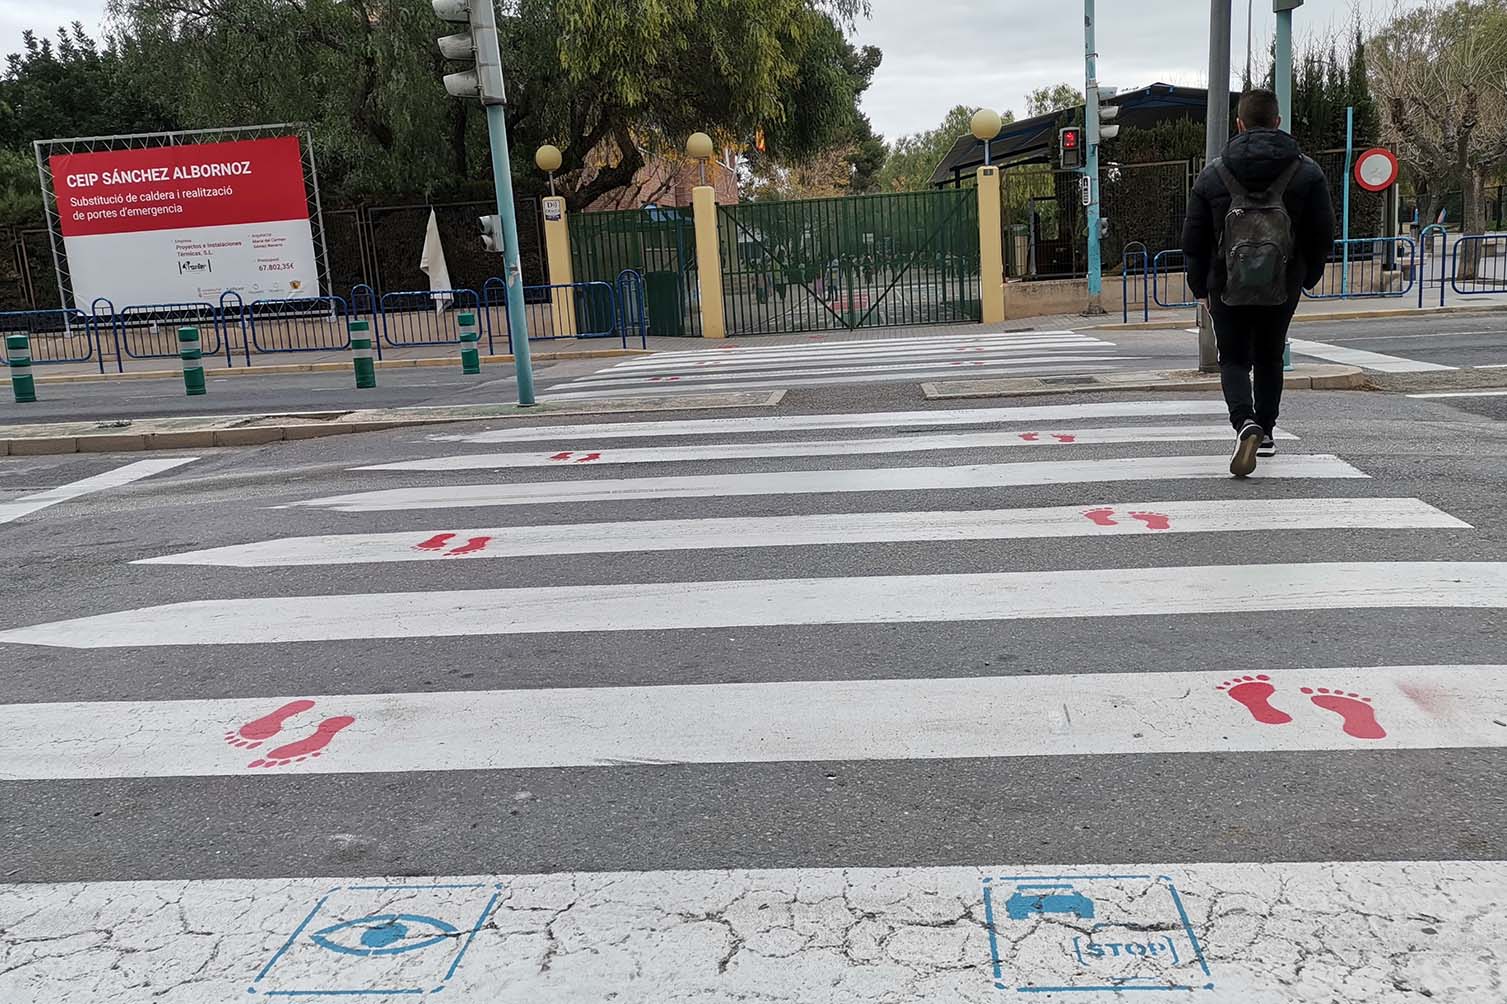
1357 717
440 541
1106 517
254 733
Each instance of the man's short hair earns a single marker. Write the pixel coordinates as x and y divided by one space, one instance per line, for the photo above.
1258 109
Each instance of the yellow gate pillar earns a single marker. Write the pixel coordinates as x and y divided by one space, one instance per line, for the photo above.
709 262
557 254
991 247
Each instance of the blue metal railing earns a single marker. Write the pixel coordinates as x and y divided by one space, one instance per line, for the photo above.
150 330
633 306
1368 268
602 309
1485 259
1421 266
424 317
300 324
1135 250
1161 279
57 336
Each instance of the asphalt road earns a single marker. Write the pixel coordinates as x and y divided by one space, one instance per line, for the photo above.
1218 788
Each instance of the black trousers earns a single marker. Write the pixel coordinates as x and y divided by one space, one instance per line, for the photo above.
1251 340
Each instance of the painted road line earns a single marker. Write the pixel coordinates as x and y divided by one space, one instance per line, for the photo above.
715 366
1096 520
1464 393
880 599
748 358
1059 369
824 345
16 508
820 448
1360 357
885 479
909 366
1231 933
1111 714
1139 408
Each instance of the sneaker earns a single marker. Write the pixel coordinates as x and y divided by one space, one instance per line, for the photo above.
1268 447
1243 463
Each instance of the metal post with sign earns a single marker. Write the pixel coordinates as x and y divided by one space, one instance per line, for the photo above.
484 81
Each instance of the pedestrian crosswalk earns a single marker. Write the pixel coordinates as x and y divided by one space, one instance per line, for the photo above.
1025 353
775 710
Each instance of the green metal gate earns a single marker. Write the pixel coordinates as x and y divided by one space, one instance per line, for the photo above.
658 243
857 262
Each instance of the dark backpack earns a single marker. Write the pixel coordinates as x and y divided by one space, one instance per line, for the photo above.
1257 242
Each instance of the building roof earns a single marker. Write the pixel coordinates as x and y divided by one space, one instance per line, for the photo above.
1035 138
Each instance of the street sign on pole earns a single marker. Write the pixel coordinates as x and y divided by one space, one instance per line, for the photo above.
1376 170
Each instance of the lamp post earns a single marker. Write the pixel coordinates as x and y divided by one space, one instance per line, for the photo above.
986 125
700 149
548 159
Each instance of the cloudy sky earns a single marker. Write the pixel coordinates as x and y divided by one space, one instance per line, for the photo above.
939 53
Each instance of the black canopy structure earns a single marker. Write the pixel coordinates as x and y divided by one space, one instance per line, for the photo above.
1035 139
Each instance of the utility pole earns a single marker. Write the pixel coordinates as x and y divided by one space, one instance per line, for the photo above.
478 45
1283 70
1090 179
1218 133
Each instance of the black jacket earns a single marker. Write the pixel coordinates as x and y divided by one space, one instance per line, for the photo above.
1256 158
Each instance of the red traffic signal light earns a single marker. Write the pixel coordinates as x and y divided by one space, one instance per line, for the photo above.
1070 148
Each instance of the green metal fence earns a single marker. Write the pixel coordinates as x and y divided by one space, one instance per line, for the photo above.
660 244
857 262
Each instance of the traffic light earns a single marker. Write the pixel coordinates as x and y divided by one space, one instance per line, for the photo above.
491 233
478 45
1107 114
1070 148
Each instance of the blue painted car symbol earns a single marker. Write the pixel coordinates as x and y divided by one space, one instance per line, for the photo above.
1039 900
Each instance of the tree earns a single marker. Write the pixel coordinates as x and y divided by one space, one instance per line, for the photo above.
605 80
913 158
1441 72
1056 98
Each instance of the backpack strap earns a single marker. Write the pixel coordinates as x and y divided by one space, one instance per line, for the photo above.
1231 183
1279 187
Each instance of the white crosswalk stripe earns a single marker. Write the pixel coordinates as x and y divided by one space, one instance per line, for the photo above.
836 363
812 694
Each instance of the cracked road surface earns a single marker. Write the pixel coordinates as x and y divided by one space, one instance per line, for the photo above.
914 733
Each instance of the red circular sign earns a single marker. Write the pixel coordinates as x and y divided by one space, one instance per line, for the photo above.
1376 170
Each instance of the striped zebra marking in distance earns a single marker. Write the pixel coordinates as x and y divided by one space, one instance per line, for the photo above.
572 392
16 508
736 723
1139 408
880 599
1094 520
833 481
820 448
610 378
747 359
915 935
824 345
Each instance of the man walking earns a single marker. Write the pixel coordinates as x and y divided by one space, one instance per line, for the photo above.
1259 230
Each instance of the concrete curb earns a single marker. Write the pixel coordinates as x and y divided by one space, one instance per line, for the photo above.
340 367
1351 315
258 430
1301 378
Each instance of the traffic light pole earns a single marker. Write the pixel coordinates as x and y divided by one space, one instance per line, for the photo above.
1091 166
502 177
1217 134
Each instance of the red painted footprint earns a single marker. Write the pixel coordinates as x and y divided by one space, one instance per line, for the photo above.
1031 437
436 543
253 734
1255 693
1153 520
1064 438
1355 711
471 546
1102 517
310 746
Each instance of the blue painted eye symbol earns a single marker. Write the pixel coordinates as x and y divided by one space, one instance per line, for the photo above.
386 934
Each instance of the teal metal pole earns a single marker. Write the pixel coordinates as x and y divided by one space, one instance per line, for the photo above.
1345 230
1283 69
1091 165
502 176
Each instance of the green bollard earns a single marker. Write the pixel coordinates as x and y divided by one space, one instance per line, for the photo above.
1287 357
191 350
470 344
361 355
18 354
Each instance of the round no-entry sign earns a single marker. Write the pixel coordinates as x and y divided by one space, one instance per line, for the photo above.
1376 170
